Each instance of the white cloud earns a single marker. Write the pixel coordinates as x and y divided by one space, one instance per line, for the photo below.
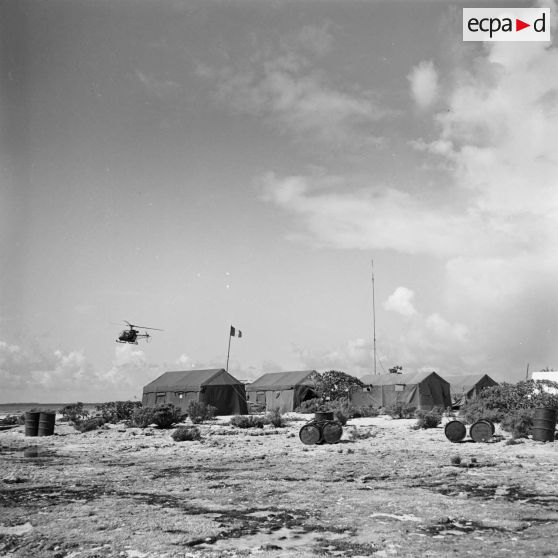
343 213
29 373
401 301
157 88
185 362
317 39
423 80
294 96
354 357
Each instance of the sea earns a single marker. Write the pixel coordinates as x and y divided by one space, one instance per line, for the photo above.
18 408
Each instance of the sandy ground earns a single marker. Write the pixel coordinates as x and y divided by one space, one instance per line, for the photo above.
394 491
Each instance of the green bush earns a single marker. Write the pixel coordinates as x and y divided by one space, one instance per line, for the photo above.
360 412
334 385
164 416
198 411
89 424
518 423
497 402
477 409
117 411
74 412
142 417
248 421
255 408
400 411
428 419
186 434
11 420
275 417
310 406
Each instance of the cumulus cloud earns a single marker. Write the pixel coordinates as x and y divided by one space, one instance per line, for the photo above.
185 362
493 224
343 213
291 94
30 373
317 39
354 357
157 88
31 369
401 301
423 80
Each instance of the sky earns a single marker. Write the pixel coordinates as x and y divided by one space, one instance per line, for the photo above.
191 165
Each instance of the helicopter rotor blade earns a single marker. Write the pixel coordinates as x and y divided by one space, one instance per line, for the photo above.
142 327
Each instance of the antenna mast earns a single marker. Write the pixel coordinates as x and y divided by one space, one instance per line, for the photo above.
374 315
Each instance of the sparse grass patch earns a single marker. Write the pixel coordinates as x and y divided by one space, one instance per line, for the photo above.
89 424
186 434
249 421
355 433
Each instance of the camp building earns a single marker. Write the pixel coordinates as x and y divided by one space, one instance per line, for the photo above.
464 387
423 390
214 387
281 390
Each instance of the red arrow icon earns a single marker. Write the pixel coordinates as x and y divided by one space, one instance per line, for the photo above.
519 25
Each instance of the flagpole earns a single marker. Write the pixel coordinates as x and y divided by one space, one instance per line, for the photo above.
229 350
374 315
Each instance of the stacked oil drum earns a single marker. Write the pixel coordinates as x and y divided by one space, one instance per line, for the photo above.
322 429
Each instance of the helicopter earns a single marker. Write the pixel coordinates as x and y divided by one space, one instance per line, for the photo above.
132 335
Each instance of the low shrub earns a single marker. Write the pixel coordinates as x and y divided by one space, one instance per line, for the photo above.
400 411
518 423
248 421
164 416
142 417
186 434
477 409
74 412
255 408
361 434
11 420
310 406
342 409
361 412
198 411
89 424
275 417
340 416
428 419
117 411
